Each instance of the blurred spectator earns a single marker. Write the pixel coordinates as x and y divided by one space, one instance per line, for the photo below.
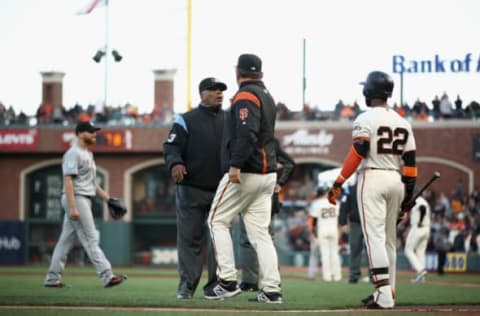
457 224
347 113
420 111
338 109
442 247
459 193
356 108
399 110
22 118
99 112
299 233
58 114
308 112
283 113
436 107
446 109
10 115
44 113
458 112
459 241
473 110
2 114
83 117
442 206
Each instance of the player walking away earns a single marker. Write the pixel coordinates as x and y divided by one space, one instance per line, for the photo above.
417 238
248 184
79 189
349 217
193 155
247 255
325 222
384 150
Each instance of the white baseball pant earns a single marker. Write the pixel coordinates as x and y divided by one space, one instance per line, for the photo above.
416 245
252 199
331 267
380 193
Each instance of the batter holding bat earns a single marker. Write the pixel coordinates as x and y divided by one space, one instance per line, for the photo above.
384 152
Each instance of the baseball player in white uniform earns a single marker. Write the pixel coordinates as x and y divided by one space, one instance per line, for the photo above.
384 151
326 216
417 238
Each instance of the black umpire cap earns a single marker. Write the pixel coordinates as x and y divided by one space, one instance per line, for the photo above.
249 62
209 83
86 127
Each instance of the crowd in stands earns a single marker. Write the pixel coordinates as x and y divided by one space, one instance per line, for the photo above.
440 109
456 215
47 114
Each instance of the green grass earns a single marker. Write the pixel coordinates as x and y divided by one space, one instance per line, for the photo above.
156 287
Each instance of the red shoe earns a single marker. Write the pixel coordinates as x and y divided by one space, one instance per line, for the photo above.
116 280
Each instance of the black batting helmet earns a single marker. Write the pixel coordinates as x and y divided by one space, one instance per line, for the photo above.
378 85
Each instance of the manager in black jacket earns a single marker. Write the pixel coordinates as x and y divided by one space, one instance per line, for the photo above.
192 154
248 184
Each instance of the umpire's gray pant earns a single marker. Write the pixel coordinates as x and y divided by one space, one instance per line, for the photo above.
193 206
356 247
83 229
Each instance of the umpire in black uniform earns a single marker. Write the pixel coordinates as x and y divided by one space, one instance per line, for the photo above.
192 154
349 215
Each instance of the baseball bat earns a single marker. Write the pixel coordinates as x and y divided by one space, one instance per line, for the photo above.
434 177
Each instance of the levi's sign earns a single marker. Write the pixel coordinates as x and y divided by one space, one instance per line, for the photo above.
435 64
22 139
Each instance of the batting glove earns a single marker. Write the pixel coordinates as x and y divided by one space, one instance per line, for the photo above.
334 193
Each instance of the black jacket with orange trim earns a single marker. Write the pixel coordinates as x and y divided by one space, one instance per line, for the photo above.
248 141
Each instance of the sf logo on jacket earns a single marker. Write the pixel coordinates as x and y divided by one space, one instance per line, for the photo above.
243 114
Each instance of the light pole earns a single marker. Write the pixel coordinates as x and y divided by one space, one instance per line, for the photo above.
103 52
98 58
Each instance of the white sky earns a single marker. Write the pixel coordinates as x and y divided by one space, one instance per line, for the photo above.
345 40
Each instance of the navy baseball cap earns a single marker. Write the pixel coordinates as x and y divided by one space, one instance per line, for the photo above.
210 83
86 127
249 62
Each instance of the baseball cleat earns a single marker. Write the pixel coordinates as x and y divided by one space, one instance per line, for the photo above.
264 297
221 290
116 280
58 285
420 278
184 296
367 299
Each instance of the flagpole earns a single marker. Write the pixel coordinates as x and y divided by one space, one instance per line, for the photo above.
105 75
189 54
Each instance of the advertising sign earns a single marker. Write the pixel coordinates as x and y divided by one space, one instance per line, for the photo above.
12 242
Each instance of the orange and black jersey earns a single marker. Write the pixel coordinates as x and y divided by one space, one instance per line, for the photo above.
249 140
